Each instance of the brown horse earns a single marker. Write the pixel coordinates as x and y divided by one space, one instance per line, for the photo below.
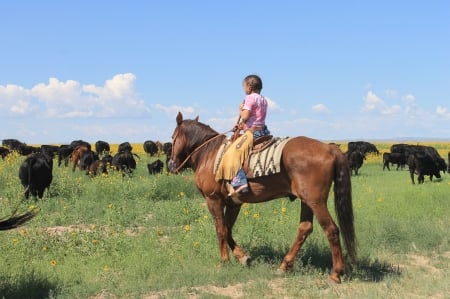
308 168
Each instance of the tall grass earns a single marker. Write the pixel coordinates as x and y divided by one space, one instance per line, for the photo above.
143 236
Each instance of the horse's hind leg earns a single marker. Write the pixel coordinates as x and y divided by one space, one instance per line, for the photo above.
305 228
332 233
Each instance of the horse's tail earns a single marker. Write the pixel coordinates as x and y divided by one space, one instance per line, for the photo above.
16 221
343 202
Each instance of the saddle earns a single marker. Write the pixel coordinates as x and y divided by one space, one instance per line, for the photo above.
263 158
262 142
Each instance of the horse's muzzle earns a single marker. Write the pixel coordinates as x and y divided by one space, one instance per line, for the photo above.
172 166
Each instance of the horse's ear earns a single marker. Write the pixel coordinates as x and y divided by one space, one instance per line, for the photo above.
179 118
196 119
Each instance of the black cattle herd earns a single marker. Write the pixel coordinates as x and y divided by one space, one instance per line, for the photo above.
421 160
35 172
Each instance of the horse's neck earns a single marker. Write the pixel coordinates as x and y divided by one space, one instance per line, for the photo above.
207 153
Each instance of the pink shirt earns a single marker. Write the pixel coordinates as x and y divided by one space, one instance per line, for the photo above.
257 105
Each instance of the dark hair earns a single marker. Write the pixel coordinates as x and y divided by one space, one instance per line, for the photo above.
255 82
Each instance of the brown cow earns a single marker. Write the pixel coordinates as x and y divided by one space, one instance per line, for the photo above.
76 155
97 167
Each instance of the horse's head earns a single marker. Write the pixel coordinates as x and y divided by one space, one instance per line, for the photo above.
189 136
180 146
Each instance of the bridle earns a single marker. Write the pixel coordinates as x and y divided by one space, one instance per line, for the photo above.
195 150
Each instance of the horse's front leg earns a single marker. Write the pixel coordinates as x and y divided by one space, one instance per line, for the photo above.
224 219
231 214
216 208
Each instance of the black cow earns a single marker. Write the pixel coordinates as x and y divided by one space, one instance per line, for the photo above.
408 149
399 148
167 148
64 152
155 167
25 150
87 159
76 143
50 149
150 147
102 147
124 161
35 173
394 158
125 147
12 144
448 170
363 146
422 164
4 152
355 160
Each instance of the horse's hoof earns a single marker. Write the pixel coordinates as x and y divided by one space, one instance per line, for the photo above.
280 272
245 260
334 279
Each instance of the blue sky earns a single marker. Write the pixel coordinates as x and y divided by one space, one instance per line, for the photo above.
121 70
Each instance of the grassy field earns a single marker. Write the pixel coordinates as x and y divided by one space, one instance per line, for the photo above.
152 237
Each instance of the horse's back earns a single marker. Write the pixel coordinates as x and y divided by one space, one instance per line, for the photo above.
308 150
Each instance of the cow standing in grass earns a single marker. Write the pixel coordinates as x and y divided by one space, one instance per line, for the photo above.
422 164
4 152
394 158
155 167
355 160
36 174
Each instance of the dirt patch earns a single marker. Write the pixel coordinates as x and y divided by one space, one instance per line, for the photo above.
85 228
230 291
425 262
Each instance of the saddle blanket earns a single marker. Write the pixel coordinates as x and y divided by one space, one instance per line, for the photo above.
261 163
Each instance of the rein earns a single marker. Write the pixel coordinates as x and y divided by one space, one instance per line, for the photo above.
198 148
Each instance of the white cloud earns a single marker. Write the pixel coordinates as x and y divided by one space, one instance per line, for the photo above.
443 112
320 108
394 109
373 103
273 105
411 107
116 98
15 100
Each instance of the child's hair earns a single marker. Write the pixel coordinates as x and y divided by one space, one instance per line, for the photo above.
254 82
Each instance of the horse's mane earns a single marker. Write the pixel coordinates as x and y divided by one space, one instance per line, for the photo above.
200 133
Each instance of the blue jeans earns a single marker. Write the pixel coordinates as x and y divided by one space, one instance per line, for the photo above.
261 133
240 179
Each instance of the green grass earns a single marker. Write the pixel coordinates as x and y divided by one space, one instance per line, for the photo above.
122 237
